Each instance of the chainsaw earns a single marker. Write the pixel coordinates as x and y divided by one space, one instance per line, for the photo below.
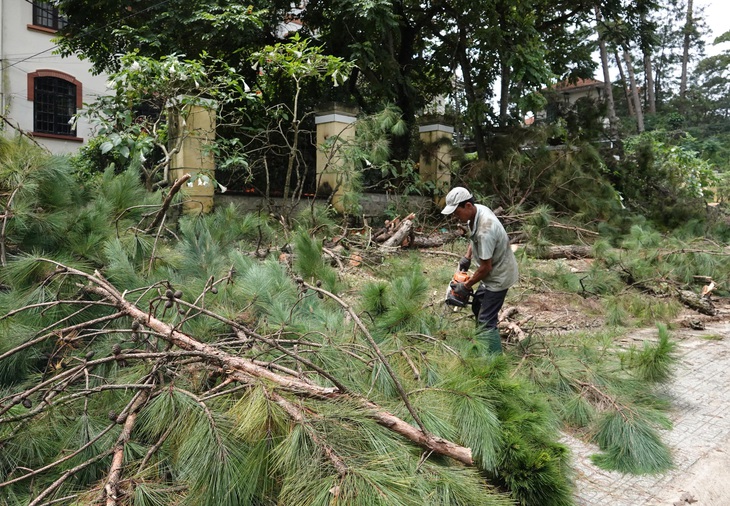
452 299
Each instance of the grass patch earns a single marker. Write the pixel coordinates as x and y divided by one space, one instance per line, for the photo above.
712 337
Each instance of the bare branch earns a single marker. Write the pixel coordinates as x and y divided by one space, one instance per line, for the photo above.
129 415
166 203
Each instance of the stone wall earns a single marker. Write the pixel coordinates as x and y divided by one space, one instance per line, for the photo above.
373 205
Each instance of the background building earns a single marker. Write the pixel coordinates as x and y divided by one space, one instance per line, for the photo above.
40 91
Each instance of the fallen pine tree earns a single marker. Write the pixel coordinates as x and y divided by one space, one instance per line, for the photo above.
179 367
285 369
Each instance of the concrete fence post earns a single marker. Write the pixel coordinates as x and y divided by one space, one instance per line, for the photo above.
335 126
194 131
435 161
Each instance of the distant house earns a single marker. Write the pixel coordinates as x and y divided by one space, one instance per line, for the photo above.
40 91
570 93
564 96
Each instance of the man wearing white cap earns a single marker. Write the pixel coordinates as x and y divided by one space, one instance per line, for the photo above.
496 264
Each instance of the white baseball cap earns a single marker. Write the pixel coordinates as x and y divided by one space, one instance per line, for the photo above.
456 196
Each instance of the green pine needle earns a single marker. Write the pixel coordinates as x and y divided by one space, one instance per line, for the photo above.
630 444
654 363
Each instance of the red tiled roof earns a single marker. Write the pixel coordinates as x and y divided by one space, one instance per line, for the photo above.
580 83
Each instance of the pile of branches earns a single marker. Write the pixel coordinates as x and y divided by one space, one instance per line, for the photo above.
277 411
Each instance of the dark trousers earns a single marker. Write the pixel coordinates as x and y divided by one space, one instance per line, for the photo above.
485 306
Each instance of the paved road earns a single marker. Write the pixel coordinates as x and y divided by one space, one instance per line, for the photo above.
700 438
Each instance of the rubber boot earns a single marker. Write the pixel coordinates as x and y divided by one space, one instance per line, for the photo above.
489 338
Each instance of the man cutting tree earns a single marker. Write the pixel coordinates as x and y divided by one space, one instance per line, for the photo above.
496 264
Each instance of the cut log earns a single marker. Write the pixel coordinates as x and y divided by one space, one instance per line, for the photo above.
388 230
513 329
693 301
555 252
400 235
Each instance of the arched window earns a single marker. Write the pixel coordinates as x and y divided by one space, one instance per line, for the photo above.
56 96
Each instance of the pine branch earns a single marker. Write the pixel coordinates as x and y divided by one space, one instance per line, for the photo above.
618 407
50 304
75 372
207 412
53 486
243 370
66 330
297 414
63 400
60 500
18 398
376 349
271 342
154 448
129 416
40 470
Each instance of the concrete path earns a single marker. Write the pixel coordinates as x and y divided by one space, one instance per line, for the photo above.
700 438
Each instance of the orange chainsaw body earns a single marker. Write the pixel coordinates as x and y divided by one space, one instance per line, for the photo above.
451 298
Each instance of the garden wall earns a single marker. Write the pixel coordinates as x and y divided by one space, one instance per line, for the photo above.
373 205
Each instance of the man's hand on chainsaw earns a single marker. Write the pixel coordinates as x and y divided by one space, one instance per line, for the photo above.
464 264
462 291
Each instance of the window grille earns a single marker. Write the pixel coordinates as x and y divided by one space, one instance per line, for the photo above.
54 104
46 15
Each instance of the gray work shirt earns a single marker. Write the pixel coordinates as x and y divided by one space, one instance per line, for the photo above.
490 240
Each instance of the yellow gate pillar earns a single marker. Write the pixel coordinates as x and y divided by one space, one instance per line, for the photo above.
335 126
435 160
191 137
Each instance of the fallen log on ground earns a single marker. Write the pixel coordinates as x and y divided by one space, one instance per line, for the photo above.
556 252
693 301
436 240
404 231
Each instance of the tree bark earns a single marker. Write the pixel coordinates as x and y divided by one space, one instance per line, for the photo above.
646 47
504 84
649 72
634 91
694 301
505 69
625 84
471 95
688 28
555 252
434 241
607 88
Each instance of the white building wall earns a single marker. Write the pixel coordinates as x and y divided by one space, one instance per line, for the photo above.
25 50
585 92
